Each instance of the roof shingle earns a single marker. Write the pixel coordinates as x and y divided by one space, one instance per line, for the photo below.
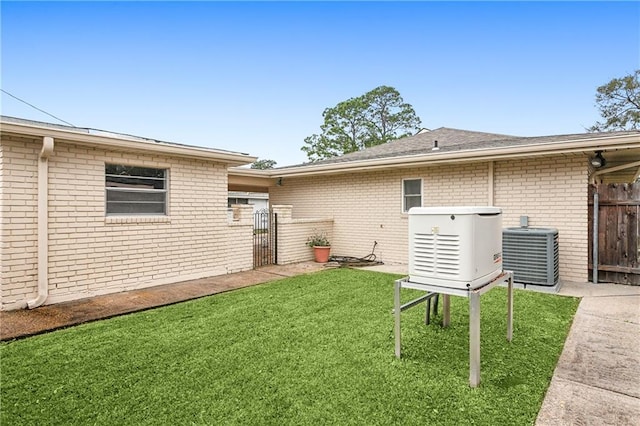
450 140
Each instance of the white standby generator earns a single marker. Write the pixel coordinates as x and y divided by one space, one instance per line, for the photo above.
455 247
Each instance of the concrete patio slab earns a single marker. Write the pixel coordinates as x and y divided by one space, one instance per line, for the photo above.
620 308
588 289
601 352
597 379
571 403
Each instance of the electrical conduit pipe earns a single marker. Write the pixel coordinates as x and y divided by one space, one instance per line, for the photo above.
43 223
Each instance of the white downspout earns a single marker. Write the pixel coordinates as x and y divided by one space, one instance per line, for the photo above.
43 223
490 183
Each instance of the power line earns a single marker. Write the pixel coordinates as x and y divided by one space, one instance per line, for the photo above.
35 107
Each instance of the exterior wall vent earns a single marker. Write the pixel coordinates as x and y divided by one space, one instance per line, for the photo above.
532 254
455 247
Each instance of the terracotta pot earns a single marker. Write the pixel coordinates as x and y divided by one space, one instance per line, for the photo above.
321 253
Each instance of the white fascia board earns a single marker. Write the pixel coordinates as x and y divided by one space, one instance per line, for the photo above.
111 141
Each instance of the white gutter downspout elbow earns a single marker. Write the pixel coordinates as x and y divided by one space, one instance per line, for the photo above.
43 223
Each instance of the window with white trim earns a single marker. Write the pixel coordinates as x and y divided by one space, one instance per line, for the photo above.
411 194
132 190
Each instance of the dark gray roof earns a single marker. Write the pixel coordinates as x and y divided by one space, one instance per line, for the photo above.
450 140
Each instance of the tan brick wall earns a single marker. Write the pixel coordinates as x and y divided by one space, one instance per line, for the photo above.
238 239
366 206
293 235
554 194
18 220
90 254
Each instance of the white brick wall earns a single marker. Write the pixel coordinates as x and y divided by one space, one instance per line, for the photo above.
90 254
366 206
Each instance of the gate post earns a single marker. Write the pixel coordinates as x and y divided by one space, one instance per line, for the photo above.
275 238
596 219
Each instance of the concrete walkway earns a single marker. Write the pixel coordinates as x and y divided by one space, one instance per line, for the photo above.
596 381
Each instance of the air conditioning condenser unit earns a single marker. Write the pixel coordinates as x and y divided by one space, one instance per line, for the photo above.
532 254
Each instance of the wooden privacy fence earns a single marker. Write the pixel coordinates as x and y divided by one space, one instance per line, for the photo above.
618 220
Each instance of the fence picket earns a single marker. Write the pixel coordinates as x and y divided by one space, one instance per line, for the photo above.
265 235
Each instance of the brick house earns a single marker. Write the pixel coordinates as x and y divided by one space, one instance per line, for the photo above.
86 212
367 193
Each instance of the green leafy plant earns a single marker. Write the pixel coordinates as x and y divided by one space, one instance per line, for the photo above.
318 238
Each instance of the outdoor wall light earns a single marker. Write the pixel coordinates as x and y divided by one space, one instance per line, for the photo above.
598 160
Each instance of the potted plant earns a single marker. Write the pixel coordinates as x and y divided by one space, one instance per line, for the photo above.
321 246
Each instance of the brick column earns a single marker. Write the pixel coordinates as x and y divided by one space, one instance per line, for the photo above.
242 214
284 212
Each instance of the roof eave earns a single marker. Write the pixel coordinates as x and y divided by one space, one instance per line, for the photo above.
243 171
484 154
123 143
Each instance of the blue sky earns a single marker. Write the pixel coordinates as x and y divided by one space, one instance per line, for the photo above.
255 77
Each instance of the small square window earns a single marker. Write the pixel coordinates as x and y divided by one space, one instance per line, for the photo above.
132 190
411 194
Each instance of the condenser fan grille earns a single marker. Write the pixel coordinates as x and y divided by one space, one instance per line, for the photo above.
532 255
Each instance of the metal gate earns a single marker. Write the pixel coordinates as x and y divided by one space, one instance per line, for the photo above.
618 232
265 238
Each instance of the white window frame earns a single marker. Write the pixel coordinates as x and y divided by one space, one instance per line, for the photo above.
164 190
404 196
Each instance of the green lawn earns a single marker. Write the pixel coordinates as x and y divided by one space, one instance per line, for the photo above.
314 349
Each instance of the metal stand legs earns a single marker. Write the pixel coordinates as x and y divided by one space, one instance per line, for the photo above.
474 314
397 311
474 340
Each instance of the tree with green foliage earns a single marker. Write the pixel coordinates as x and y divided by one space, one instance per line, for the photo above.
377 117
264 164
619 104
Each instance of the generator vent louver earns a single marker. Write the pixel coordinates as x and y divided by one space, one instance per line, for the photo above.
437 254
532 255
